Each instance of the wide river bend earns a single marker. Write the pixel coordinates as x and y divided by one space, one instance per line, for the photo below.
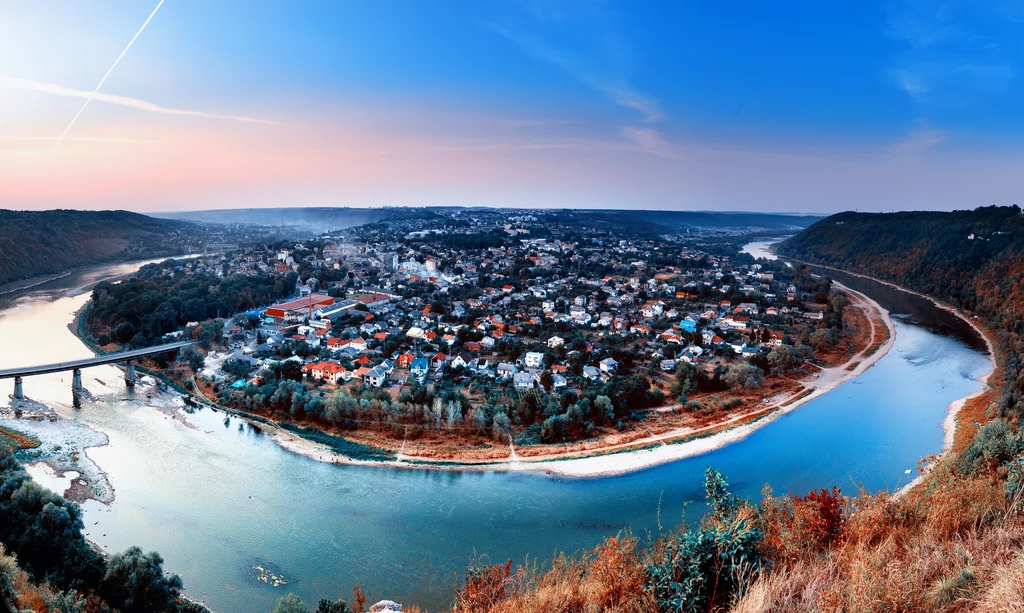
215 496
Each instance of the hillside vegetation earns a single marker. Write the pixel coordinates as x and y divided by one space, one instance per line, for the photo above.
35 243
972 259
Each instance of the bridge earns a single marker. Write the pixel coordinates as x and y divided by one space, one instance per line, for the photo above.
76 366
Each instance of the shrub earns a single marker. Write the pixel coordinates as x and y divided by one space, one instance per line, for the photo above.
994 444
701 570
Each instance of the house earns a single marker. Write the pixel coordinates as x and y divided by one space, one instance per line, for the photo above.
688 325
668 365
609 366
737 321
591 373
375 376
558 382
523 380
419 367
438 361
462 360
671 337
323 371
555 341
534 359
505 370
405 360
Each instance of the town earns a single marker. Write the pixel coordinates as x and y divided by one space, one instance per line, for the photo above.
488 327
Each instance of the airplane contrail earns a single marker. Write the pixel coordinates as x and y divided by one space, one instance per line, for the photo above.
135 103
60 139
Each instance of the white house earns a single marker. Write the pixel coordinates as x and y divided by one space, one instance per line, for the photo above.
609 366
523 380
376 376
534 359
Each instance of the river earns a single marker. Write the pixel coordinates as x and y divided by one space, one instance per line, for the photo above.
214 495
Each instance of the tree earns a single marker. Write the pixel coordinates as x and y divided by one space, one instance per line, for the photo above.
192 357
290 603
822 339
135 582
687 379
123 332
239 369
784 358
502 425
43 530
333 606
604 407
744 375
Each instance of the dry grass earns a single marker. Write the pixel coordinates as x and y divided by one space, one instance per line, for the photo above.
608 578
954 544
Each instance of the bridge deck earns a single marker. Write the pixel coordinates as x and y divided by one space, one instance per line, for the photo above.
109 358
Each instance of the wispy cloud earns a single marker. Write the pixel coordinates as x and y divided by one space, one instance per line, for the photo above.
920 138
84 139
597 58
951 57
647 139
135 103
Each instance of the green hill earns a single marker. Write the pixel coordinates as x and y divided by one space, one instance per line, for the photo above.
35 243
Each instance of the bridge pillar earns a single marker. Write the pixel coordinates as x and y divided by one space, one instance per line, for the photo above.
129 376
19 392
76 381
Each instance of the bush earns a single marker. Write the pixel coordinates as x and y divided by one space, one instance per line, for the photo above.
135 582
995 444
290 603
701 570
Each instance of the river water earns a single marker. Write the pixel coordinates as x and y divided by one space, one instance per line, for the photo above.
214 495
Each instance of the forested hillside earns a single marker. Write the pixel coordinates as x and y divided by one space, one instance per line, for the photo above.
972 259
34 243
940 254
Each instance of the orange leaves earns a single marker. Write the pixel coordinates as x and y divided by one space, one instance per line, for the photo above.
798 527
485 587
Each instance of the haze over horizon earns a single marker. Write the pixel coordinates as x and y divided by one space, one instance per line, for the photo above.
801 108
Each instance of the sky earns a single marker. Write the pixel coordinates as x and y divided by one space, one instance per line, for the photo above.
796 106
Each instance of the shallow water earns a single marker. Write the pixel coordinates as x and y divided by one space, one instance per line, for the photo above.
215 496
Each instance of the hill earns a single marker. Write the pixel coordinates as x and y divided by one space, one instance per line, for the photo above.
315 219
969 258
326 219
35 243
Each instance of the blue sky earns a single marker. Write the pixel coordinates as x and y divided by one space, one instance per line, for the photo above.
791 106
